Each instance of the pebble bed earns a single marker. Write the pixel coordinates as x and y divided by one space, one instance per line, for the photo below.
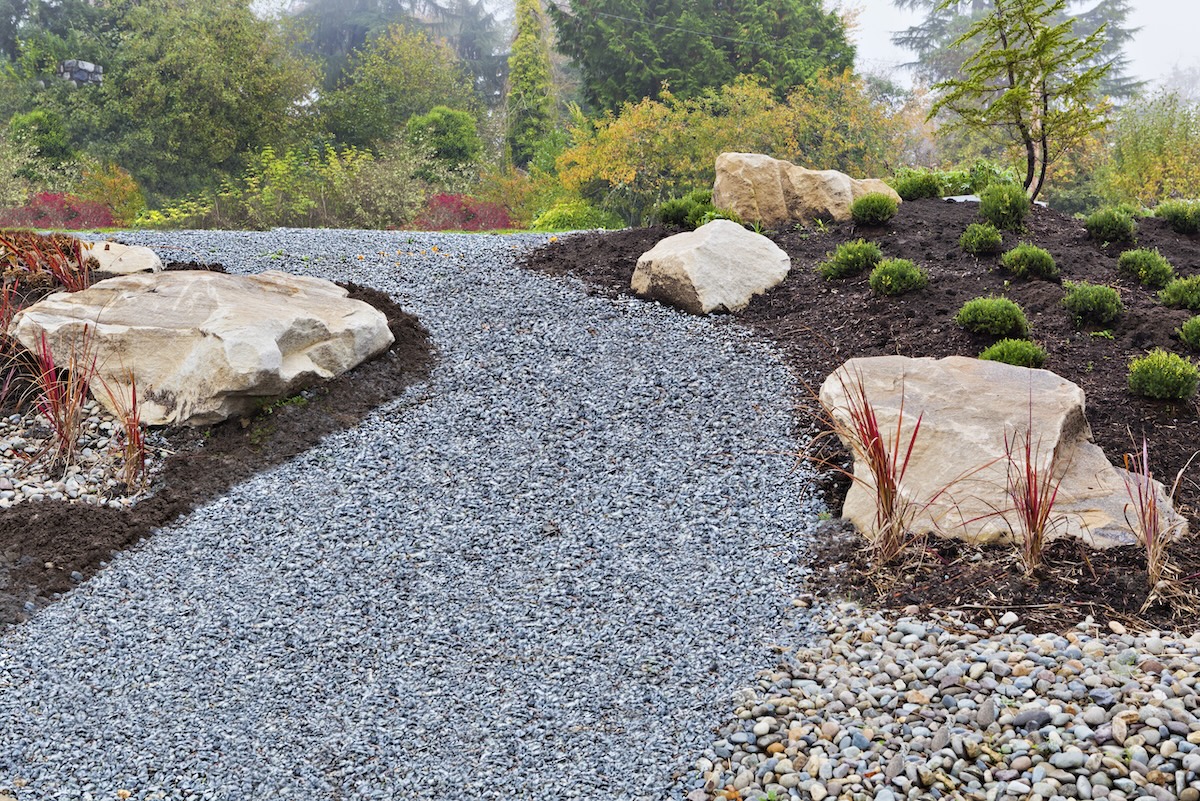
94 475
542 573
941 708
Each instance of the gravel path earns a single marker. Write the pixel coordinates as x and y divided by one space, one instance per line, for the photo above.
542 574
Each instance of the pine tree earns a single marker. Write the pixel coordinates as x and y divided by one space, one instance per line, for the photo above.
530 100
1028 78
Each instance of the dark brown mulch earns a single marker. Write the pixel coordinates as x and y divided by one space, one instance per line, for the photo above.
818 324
43 544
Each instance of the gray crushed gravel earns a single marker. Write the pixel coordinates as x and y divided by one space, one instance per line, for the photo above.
543 573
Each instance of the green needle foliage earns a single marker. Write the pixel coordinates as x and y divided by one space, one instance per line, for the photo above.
1030 78
1163 375
530 100
1020 352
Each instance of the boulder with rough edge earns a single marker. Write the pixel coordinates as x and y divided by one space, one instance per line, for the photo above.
204 346
771 192
966 408
717 267
113 257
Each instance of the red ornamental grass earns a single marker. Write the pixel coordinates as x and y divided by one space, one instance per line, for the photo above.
1032 491
1147 523
132 437
61 257
887 460
60 392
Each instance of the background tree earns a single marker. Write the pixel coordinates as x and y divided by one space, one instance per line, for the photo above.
336 29
451 136
398 74
937 59
627 50
1027 80
530 98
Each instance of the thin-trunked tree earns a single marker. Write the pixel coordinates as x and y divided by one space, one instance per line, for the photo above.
1029 80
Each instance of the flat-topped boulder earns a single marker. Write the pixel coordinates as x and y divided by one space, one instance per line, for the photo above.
772 192
118 259
967 407
204 346
718 267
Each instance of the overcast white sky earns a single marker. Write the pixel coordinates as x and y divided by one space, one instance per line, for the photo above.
1167 36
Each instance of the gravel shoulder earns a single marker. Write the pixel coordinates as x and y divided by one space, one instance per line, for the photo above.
543 571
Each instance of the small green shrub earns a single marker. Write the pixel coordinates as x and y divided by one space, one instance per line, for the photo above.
1163 375
688 211
1190 333
1004 205
1093 303
850 259
980 239
1029 261
1182 215
917 184
897 276
998 317
1147 266
1183 293
575 215
874 208
1111 226
1020 352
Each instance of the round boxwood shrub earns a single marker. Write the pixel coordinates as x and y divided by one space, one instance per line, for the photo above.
850 259
998 317
575 215
1004 205
1190 333
1029 261
1093 303
1183 293
1110 226
1020 352
874 208
980 239
897 276
1163 375
917 184
1182 215
1147 266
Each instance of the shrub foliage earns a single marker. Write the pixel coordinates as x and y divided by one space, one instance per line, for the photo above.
998 317
1093 303
1147 266
1163 375
1029 261
1190 333
980 239
1111 226
850 259
1182 215
897 276
1020 352
1182 293
1004 205
874 208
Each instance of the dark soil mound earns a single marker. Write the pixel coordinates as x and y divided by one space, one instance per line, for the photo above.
819 324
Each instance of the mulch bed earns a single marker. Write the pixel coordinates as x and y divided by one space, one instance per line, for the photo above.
42 544
818 324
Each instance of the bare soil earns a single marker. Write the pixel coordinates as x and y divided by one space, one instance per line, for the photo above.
819 324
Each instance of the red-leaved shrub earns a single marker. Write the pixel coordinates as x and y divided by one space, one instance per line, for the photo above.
460 213
58 210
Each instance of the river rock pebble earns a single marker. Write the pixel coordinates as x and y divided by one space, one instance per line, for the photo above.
964 711
94 474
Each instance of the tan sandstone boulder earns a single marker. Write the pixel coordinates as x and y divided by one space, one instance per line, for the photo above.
770 191
204 346
717 267
968 406
113 257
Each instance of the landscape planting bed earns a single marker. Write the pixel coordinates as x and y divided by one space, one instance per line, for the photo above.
819 324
